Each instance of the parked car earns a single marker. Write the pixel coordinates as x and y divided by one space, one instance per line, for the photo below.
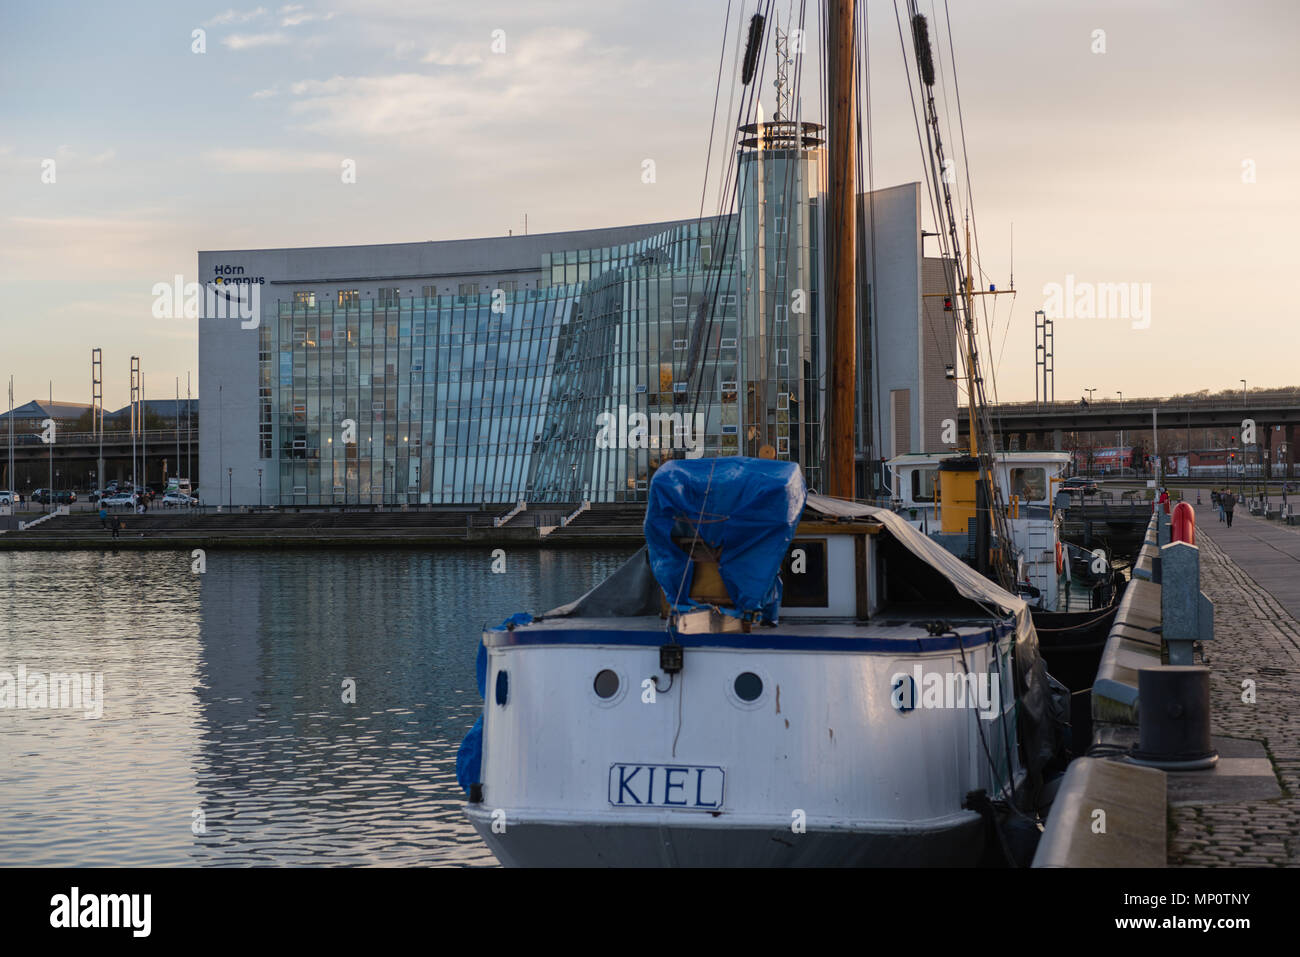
118 500
1079 483
10 498
179 499
43 496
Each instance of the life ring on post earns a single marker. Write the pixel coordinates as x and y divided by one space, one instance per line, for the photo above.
1060 560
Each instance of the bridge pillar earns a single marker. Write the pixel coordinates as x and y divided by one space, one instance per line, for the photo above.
1058 440
1268 452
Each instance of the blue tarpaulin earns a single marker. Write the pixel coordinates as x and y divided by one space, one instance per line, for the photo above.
745 510
469 758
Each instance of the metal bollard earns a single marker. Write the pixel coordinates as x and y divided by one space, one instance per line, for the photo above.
1186 614
1174 719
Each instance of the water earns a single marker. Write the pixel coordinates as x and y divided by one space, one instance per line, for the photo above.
223 702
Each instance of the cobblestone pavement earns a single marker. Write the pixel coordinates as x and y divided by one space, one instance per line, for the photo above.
1256 640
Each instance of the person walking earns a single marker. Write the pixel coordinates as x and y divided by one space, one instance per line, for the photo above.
1218 500
103 517
117 526
1229 503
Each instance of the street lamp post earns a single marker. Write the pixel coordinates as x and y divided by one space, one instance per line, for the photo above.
1121 432
230 488
1243 441
1090 392
259 488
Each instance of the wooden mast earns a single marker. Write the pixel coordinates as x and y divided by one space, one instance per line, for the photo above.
841 222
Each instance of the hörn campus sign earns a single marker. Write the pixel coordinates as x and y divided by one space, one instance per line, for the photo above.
229 294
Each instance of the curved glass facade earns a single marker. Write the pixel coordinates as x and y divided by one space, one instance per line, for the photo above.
701 340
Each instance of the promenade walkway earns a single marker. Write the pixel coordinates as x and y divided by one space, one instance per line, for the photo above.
1252 574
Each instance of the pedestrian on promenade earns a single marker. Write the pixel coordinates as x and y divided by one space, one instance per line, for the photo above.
117 525
103 517
1164 500
1229 503
1218 500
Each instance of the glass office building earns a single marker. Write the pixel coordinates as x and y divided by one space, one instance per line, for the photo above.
700 339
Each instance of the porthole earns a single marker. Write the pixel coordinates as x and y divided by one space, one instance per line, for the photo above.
503 687
903 693
748 686
606 684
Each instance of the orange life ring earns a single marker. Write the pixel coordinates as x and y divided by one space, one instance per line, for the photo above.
1060 561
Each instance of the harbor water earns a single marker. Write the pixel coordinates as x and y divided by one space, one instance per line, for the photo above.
272 708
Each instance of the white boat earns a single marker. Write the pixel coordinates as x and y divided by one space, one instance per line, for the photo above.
1029 483
855 723
778 678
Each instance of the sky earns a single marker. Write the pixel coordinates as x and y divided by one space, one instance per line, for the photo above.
1145 143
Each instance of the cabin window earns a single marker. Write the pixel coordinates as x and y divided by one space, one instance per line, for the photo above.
925 485
803 575
1029 485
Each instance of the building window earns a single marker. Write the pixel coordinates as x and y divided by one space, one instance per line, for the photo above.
782 401
388 295
782 357
728 343
782 445
429 292
349 297
508 285
304 297
679 344
468 289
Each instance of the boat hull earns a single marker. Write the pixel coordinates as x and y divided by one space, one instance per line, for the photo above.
956 842
822 767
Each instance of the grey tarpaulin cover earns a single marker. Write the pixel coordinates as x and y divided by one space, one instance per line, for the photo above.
1042 710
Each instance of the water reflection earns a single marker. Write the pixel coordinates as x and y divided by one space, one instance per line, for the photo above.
225 708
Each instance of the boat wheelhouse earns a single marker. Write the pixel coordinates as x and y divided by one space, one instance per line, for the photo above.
1029 483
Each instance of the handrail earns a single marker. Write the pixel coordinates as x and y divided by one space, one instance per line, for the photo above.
152 436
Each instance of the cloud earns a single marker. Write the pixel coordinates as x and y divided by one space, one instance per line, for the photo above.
249 41
293 15
64 156
263 94
231 17
253 160
473 92
463 54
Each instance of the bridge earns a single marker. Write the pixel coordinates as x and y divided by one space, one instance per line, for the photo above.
75 457
1044 424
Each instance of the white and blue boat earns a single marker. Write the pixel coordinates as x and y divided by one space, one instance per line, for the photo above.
778 678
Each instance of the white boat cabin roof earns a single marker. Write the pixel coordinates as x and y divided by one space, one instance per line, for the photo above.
1036 457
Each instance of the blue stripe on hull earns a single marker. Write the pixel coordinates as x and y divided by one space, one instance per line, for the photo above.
736 640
